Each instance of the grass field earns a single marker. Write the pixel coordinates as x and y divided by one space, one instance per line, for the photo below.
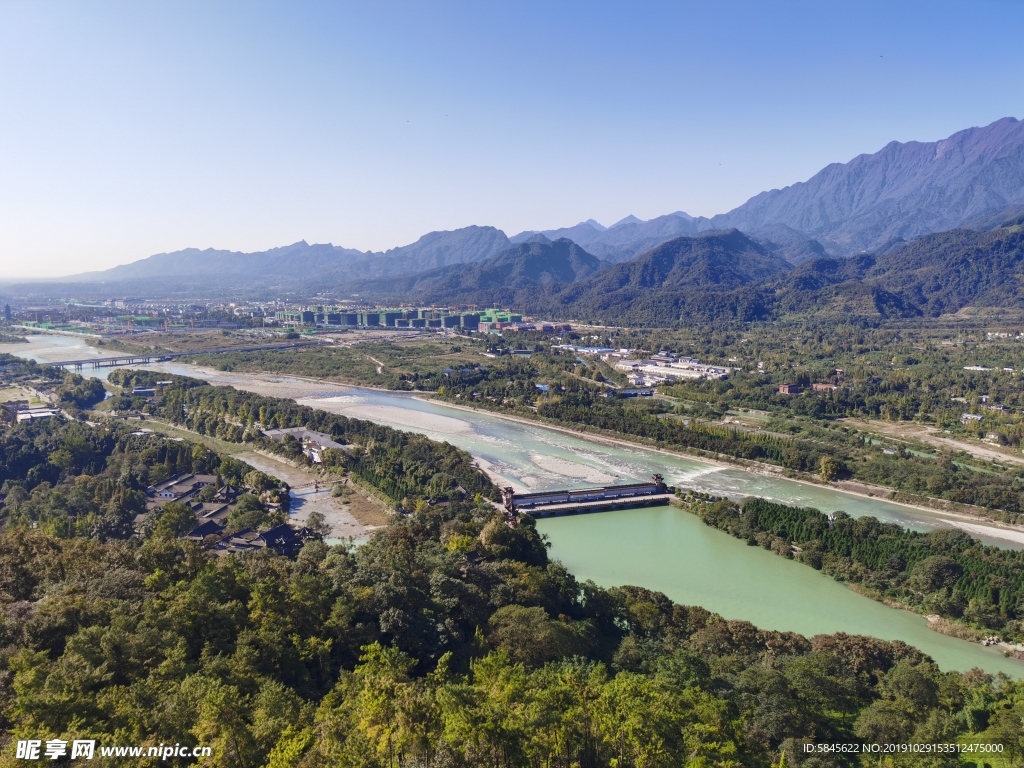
374 363
18 393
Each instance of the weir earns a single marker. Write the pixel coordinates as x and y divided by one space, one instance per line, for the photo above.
583 501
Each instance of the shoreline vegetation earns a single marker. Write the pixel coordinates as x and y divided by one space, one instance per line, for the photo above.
956 582
942 624
402 465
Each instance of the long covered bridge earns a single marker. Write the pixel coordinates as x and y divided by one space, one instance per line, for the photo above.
580 501
161 357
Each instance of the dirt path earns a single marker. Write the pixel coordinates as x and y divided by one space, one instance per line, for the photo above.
932 436
350 515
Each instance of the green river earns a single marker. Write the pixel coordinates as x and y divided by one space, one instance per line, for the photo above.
661 548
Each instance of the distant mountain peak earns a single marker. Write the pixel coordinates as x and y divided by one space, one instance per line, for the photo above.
596 225
901 192
631 219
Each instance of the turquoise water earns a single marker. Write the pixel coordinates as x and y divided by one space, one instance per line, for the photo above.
672 551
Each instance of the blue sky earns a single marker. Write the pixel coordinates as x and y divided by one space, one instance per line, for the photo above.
130 128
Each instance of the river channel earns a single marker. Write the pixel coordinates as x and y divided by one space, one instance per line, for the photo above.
661 548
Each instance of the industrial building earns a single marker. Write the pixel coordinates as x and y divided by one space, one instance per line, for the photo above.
665 367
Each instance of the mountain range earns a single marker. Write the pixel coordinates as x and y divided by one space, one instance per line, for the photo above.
434 249
905 190
727 275
674 264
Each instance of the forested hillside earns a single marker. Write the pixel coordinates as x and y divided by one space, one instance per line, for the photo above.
717 275
730 276
68 479
943 273
683 278
509 278
447 640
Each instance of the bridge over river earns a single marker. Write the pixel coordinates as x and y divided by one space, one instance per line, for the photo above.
582 501
143 358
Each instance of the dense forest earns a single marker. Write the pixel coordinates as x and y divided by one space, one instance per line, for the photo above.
69 479
942 572
448 640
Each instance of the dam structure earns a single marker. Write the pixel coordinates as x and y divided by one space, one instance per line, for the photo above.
587 500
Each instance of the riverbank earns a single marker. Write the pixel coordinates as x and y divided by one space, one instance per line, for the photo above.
344 399
43 349
973 524
769 526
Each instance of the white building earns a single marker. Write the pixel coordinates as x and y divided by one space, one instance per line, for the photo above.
666 367
31 414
